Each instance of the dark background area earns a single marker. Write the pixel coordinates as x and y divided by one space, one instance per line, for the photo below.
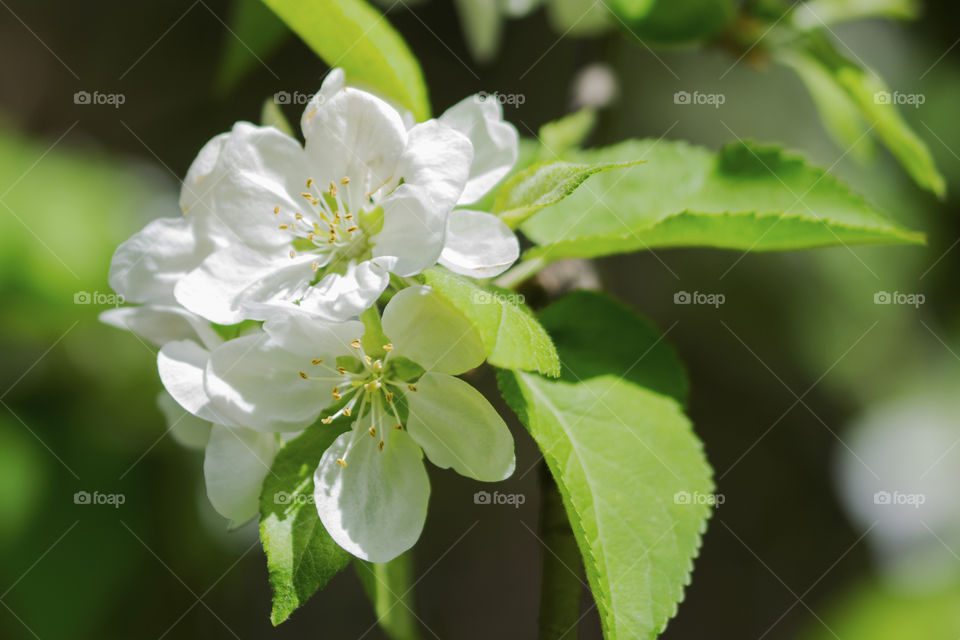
77 408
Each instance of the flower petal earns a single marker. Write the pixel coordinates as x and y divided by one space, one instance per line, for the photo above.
438 160
298 333
146 267
459 429
375 506
237 283
195 188
181 365
495 142
236 462
353 134
413 230
253 382
341 296
478 244
161 324
187 429
425 328
259 170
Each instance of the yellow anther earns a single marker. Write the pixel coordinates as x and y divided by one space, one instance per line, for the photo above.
293 254
377 365
388 346
341 462
303 374
314 265
317 361
336 396
398 427
412 387
283 227
344 180
333 190
368 359
349 216
347 412
298 216
373 385
327 420
389 396
380 446
341 370
315 201
356 343
308 196
276 210
372 432
309 182
352 229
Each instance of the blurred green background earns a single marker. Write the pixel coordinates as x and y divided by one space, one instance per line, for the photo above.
782 374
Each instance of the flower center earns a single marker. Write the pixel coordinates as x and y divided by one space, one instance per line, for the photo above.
371 388
329 226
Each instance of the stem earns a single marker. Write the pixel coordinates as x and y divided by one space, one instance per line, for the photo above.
560 584
523 271
390 589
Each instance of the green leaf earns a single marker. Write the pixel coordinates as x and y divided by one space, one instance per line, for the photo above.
544 184
389 587
673 21
814 14
595 331
354 36
512 336
746 197
301 555
569 132
624 458
839 113
254 34
867 90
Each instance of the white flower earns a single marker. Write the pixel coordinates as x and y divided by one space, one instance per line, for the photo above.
371 486
319 228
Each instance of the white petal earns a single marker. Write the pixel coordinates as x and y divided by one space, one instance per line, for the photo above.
342 296
253 382
425 328
146 267
459 429
236 462
438 160
298 333
413 230
186 428
259 169
237 283
162 324
478 244
495 142
181 365
353 134
375 506
196 185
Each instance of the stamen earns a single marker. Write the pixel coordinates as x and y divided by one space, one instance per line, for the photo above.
327 420
412 387
389 395
341 462
347 412
309 182
388 346
356 343
283 227
380 446
303 374
317 361
308 196
276 210
342 371
314 265
398 427
367 359
345 180
333 190
293 254
352 229
373 432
